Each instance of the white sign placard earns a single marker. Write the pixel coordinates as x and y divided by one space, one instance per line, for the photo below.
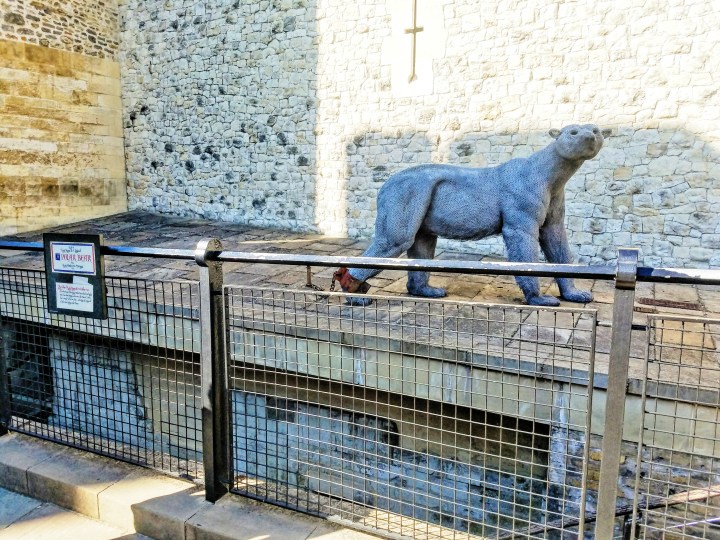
73 258
74 296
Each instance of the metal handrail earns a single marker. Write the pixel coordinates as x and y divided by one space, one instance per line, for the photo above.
690 276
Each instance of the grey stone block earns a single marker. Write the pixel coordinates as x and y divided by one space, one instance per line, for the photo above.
233 518
117 502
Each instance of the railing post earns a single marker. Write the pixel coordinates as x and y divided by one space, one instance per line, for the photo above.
213 371
5 406
623 305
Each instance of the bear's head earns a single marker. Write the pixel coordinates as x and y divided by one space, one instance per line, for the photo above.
579 142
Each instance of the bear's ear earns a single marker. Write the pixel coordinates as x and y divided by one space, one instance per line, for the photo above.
554 133
606 132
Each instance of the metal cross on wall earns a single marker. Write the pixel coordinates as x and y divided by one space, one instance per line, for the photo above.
414 31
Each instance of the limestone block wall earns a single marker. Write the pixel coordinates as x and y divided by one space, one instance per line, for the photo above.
61 140
293 113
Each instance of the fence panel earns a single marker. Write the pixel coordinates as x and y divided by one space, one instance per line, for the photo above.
431 419
678 473
127 387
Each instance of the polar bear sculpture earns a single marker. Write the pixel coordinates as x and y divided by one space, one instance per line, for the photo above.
522 199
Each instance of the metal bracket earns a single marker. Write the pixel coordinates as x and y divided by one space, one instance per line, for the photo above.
309 284
627 264
205 249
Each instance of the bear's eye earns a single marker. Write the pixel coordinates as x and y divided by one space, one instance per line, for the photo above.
574 132
596 131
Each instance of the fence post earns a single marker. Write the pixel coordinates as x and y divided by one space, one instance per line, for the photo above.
5 405
213 372
623 305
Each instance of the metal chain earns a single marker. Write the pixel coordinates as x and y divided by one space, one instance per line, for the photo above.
309 284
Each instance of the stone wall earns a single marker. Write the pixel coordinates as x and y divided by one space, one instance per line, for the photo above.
80 26
61 140
356 457
292 113
220 109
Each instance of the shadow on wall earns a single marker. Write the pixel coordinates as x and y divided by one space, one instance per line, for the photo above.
371 158
658 190
219 112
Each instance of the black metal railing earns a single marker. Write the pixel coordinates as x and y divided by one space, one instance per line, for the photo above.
360 413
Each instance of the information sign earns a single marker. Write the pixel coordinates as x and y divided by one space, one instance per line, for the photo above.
75 272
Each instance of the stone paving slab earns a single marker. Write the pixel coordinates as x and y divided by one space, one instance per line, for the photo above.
133 503
25 518
13 506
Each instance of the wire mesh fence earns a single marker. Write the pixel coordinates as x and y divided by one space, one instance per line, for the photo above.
411 417
125 387
678 473
429 419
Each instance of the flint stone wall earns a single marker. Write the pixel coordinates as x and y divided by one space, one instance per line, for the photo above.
80 26
292 113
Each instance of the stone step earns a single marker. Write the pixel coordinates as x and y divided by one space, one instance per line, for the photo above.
134 500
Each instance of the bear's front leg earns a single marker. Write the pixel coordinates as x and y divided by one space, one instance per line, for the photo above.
522 246
531 289
569 292
554 243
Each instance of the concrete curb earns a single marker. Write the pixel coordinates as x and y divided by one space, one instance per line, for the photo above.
143 501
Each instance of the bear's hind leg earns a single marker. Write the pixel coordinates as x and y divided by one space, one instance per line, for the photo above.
376 249
417 285
402 205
